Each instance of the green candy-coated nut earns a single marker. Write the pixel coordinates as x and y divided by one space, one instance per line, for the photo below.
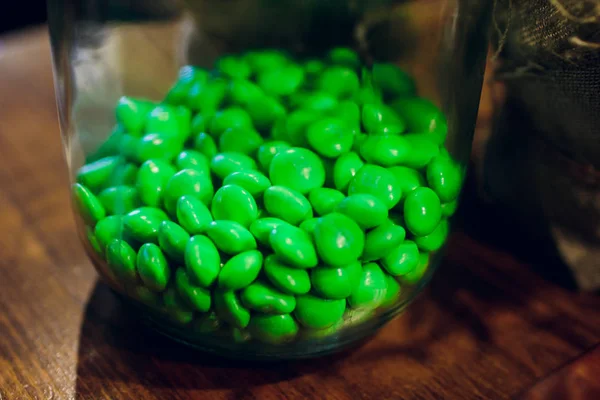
123 174
282 81
371 288
191 159
298 169
151 180
336 282
330 137
365 209
379 119
152 267
233 117
252 181
261 297
344 56
273 329
205 144
435 240
445 178
382 240
344 170
229 308
175 308
309 225
163 119
88 205
423 150
193 215
339 240
316 101
324 200
266 60
173 239
187 182
155 146
107 229
393 292
231 237
267 151
317 313
121 260
386 150
243 92
287 204
119 200
224 164
392 80
195 297
296 126
202 260
131 113
207 97
417 273
377 181
234 203
96 174
422 211
142 224
422 116
408 179
339 81
287 279
188 75
264 111
240 139
234 67
402 259
241 270
448 209
262 227
294 246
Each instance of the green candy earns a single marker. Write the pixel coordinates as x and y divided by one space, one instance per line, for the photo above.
330 137
324 200
349 112
123 174
234 203
131 113
229 308
233 117
107 229
344 170
151 180
153 146
240 139
267 151
402 259
309 225
195 297
393 292
365 209
252 181
200 122
417 274
163 119
294 246
234 67
409 179
287 204
95 175
339 240
240 270
93 241
224 164
230 237
423 150
336 282
242 92
297 124
445 178
339 81
392 80
142 224
261 228
377 181
422 116
191 159
379 119
371 289
264 111
110 147
385 150
287 279
316 313
121 260
173 239
382 240
119 200
263 298
435 240
266 60
188 75
344 56
282 81
187 182
448 209
298 169
317 101
175 308
207 97
313 68
273 329
202 260
193 215
152 267
205 144
88 205
422 211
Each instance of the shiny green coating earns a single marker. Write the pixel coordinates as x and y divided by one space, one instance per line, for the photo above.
241 140
224 164
188 75
422 116
173 239
263 298
330 137
445 178
234 67
371 288
151 180
195 297
107 229
339 81
202 260
162 119
230 237
252 181
191 159
402 259
267 151
422 211
297 124
96 174
264 111
423 150
262 227
287 279
119 200
377 181
175 308
393 292
152 267
234 203
240 270
339 240
417 274
382 240
336 282
435 240
229 308
233 117
207 97
282 81
379 119
365 209
344 170
309 225
324 200
273 329
298 169
344 56
205 144
187 182
409 179
142 224
121 260
393 80
243 92
157 145
131 113
293 246
88 205
448 209
385 150
193 215
287 204
316 313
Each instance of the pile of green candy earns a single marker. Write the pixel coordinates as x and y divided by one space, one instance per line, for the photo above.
268 197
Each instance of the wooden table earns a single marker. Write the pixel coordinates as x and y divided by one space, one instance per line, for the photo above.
487 327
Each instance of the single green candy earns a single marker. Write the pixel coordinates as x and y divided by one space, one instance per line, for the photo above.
382 240
448 209
267 151
229 308
339 81
264 111
402 259
234 203
263 298
202 260
339 240
142 224
273 329
224 164
157 145
409 179
287 204
188 75
417 274
317 101
385 150
296 126
393 292
282 81
205 144
377 181
330 137
241 270
88 205
309 225
316 313
234 67
445 178
119 200
422 211
344 170
243 92
422 116
336 282
298 169
233 117
252 181
193 215
121 260
324 200
367 94
191 159
287 279
163 119
293 246
266 60
175 308
393 80
187 182
153 268
230 237
195 297
344 56
379 119
240 139
131 113
96 174
173 239
107 229
371 289
123 174
151 180
207 97
367 210
435 240
423 150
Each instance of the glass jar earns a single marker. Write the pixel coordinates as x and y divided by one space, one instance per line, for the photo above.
267 179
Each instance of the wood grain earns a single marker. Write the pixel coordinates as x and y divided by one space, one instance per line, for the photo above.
488 326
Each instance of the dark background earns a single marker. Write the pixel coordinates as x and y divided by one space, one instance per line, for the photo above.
29 12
